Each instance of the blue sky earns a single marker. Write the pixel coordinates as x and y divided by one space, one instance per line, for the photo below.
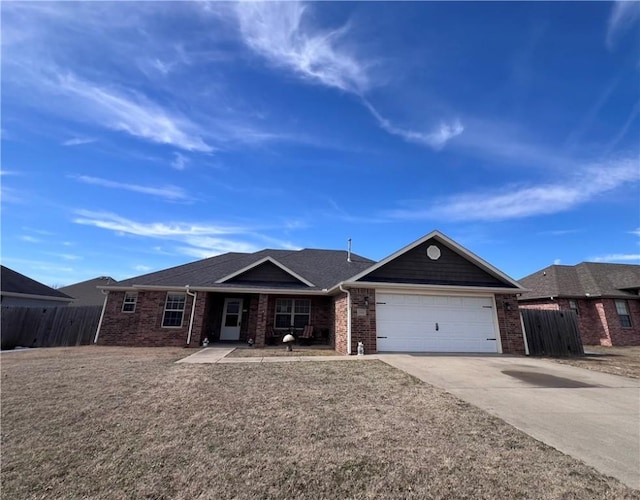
137 136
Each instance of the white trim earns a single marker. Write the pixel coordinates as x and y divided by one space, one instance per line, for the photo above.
124 302
418 287
524 334
448 242
194 295
496 325
232 290
259 263
33 296
104 306
166 300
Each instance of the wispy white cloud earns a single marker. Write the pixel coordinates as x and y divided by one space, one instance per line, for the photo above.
193 239
142 268
556 262
30 239
559 232
106 220
277 31
77 141
132 113
167 192
636 232
513 202
616 257
180 161
435 138
281 33
4 173
624 14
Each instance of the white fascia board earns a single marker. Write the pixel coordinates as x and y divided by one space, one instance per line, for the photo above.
410 287
450 243
260 262
229 290
33 296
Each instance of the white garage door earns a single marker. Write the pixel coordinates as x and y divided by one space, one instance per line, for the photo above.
430 323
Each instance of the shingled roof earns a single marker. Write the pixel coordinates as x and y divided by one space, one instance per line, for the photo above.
593 279
323 268
12 282
86 293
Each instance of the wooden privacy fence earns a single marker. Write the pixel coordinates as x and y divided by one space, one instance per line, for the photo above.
552 333
48 326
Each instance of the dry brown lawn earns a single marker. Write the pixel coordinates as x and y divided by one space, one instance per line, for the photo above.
616 360
115 423
271 351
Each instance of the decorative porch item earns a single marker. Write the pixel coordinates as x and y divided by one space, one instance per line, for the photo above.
205 342
289 340
360 349
250 342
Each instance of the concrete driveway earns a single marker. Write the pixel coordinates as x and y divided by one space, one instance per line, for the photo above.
592 416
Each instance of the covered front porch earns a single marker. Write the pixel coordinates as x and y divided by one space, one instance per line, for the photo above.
265 318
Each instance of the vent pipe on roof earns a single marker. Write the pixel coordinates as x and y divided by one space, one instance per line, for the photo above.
349 250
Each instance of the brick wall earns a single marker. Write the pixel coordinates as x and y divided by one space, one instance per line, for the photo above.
144 326
509 324
622 336
340 307
363 325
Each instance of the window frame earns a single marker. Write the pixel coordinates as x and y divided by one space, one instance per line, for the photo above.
573 306
292 315
626 314
174 309
126 302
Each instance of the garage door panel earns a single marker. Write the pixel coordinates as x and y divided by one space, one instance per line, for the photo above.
430 323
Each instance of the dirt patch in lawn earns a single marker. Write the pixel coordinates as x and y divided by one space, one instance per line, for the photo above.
99 422
616 360
267 352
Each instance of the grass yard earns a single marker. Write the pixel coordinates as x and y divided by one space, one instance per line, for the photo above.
616 360
98 422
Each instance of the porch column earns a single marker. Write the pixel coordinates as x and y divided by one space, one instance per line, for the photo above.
261 325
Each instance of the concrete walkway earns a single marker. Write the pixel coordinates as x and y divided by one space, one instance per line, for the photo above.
217 355
592 416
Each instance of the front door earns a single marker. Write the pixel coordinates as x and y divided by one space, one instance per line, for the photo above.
231 319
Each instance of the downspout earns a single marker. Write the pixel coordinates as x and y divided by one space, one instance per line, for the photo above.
104 306
348 318
193 310
524 334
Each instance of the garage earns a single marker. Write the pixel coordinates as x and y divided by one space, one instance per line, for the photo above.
436 323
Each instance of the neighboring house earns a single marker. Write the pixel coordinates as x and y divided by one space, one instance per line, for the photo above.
432 295
19 290
87 293
605 297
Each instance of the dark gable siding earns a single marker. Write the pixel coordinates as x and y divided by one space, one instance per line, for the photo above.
450 269
263 274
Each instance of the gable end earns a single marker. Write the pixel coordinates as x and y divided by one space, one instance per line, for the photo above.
266 273
450 268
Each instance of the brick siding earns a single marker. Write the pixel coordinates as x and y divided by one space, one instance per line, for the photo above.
340 308
363 328
144 326
510 324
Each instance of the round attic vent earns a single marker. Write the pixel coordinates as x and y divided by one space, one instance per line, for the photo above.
433 252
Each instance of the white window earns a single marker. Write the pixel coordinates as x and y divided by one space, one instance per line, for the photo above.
292 312
129 302
174 310
623 313
573 305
